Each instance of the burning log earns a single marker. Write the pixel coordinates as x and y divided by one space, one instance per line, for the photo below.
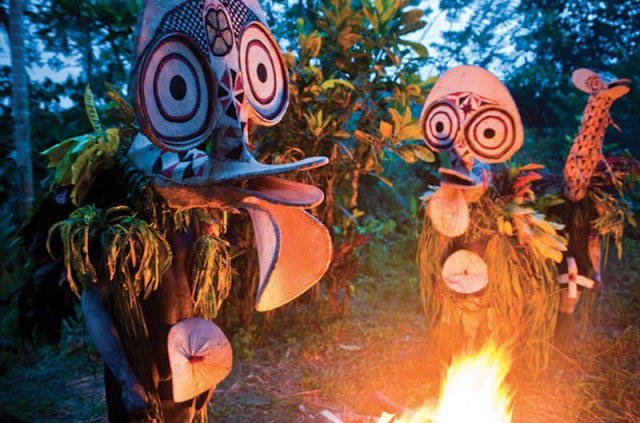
390 405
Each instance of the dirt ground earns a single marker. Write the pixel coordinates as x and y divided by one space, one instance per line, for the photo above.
305 364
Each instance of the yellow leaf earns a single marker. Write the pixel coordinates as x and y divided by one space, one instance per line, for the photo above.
413 90
397 119
507 228
386 129
364 137
406 116
410 132
113 140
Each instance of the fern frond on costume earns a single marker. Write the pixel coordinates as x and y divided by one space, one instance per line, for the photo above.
99 245
128 254
210 265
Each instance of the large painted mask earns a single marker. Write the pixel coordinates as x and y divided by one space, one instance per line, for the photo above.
586 152
204 70
471 119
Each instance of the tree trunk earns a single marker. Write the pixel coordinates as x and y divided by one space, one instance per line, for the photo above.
20 100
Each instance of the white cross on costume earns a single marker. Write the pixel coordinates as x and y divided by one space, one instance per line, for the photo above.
573 279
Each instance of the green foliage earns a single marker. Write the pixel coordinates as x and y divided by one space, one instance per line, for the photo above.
480 33
96 31
354 88
536 45
245 341
13 263
111 245
86 42
614 212
121 104
79 159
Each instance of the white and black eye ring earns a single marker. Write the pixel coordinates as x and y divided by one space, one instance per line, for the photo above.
177 88
490 134
440 125
265 75
175 93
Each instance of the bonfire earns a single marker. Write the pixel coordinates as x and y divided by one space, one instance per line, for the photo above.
474 390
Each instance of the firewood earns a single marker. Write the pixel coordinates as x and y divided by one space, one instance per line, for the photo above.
390 405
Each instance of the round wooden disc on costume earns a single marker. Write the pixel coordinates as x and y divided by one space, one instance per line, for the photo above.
200 357
175 94
449 212
465 272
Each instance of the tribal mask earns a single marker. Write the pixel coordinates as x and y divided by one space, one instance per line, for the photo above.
586 151
471 118
203 70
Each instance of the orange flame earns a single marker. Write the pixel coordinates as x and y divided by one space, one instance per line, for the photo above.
474 391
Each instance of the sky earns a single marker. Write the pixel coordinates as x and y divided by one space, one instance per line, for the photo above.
429 36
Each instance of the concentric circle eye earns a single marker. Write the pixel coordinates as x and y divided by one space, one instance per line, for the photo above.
595 83
175 94
491 134
265 74
219 32
440 124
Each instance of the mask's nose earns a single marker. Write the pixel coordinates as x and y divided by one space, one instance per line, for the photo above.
230 141
460 157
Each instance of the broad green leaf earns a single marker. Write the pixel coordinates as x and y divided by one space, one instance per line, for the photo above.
113 141
406 153
406 117
82 164
430 81
417 47
57 152
84 142
410 132
423 153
